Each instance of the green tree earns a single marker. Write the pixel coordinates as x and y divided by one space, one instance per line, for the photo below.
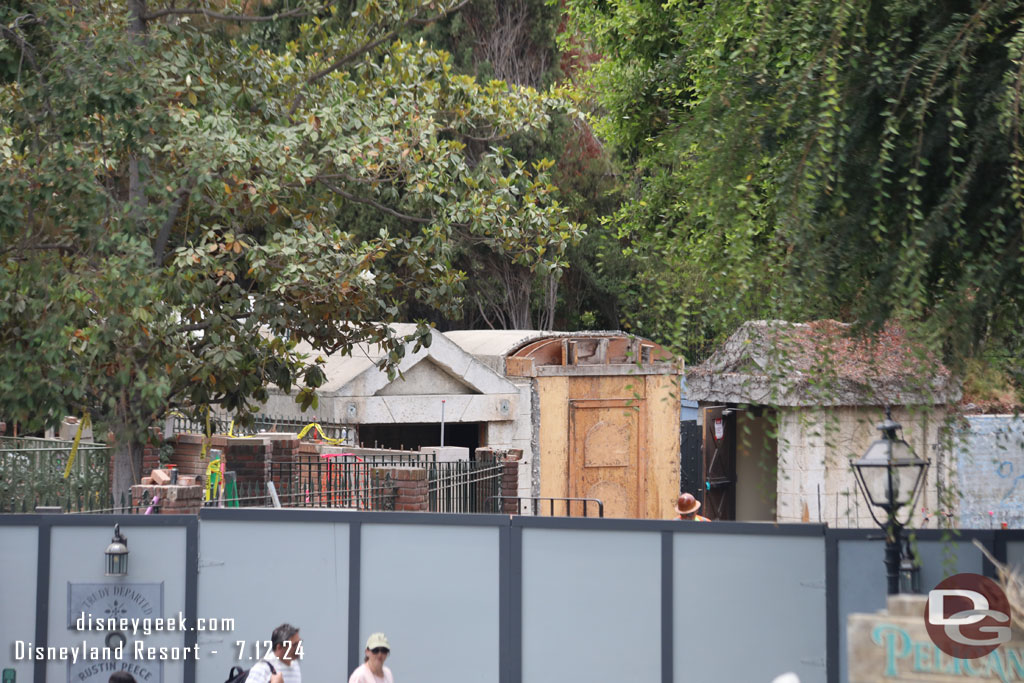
176 186
857 159
515 41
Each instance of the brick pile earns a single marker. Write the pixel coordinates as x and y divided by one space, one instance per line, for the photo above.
188 449
174 500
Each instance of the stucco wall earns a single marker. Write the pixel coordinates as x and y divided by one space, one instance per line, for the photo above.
815 481
990 472
756 464
518 433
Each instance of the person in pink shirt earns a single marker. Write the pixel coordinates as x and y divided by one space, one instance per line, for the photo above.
372 670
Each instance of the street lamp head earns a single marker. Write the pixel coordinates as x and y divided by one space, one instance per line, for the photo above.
890 476
889 473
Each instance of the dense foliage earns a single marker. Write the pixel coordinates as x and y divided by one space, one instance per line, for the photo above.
176 185
857 159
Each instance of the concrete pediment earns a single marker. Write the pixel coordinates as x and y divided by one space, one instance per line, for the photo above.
426 378
443 368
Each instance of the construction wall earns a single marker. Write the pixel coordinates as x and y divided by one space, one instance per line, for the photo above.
816 446
521 598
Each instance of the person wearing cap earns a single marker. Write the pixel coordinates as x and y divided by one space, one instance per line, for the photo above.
687 506
372 670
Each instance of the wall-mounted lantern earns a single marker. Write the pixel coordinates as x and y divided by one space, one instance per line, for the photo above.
117 554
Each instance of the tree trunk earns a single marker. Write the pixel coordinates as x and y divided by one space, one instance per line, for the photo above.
127 456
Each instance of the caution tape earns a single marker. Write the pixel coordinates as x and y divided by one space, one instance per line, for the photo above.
74 447
319 434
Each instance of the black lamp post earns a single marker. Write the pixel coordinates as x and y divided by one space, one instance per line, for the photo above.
890 476
117 554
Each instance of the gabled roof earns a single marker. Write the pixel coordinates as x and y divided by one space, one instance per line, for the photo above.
441 368
774 362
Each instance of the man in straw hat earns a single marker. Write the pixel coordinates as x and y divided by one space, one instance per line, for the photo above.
687 506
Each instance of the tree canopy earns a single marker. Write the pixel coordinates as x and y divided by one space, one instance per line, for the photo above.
855 159
176 187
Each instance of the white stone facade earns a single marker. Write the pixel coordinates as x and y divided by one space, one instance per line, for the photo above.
816 446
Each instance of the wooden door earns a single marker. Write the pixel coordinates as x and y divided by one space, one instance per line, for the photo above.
604 454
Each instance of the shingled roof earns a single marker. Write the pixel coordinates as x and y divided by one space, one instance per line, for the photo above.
775 362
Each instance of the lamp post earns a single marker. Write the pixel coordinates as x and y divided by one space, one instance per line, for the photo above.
890 476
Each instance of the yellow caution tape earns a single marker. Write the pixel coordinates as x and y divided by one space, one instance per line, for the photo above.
74 447
206 439
211 469
305 430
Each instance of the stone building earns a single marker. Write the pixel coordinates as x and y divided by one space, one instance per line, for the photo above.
595 414
786 407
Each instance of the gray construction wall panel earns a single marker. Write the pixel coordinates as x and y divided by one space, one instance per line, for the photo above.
18 594
262 574
862 582
1015 554
591 605
156 556
766 593
434 591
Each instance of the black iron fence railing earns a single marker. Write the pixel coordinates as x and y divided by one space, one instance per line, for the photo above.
463 486
364 482
561 507
32 475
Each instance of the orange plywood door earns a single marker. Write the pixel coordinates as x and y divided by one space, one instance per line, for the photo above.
604 454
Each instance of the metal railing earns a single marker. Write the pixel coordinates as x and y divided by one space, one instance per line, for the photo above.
364 482
220 424
463 485
533 505
32 475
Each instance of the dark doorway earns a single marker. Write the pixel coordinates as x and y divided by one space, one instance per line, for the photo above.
691 459
719 446
416 436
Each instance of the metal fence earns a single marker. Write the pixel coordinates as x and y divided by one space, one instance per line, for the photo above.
555 507
363 482
464 486
32 475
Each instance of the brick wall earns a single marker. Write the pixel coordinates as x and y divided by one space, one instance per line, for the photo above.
406 486
410 489
509 486
187 453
